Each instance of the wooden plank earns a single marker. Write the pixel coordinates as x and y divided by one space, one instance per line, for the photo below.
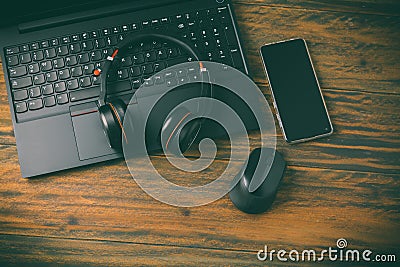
366 136
385 7
349 51
39 251
314 207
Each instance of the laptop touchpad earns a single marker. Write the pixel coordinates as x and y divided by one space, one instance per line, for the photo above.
90 137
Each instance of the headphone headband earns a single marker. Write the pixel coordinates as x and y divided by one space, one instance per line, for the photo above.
124 45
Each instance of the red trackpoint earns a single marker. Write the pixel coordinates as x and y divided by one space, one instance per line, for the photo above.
97 72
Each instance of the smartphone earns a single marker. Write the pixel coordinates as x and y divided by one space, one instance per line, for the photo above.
300 107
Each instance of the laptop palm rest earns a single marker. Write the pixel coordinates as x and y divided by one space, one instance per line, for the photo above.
90 137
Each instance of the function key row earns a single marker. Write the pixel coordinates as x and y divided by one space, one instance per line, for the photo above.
222 11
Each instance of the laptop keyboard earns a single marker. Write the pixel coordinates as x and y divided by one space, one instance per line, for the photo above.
48 76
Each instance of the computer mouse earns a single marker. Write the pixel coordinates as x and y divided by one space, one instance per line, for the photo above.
261 199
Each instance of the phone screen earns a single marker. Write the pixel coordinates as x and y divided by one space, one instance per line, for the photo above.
301 108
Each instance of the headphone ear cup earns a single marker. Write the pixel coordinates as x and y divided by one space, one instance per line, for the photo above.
179 124
112 117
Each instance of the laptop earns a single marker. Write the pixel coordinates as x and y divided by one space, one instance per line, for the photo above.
50 48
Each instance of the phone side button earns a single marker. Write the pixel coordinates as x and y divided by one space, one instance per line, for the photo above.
279 120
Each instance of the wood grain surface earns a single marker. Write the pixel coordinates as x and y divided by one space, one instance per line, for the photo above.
344 186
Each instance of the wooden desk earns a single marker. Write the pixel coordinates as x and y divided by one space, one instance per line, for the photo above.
345 186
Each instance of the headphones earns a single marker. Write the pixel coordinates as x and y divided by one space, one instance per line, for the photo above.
184 125
112 113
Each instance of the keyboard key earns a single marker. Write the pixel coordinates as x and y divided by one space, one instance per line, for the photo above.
126 61
111 40
171 82
125 28
21 107
44 44
181 73
138 59
94 34
21 83
50 53
158 79
146 24
47 89
76 71
159 66
20 95
237 59
45 65
62 99
106 32
17 71
35 46
37 55
12 60
96 80
156 45
83 58
230 35
25 58
49 101
12 50
62 50
122 74
146 46
54 42
162 54
116 29
148 81
33 68
107 52
193 77
155 22
99 43
51 76
71 61
58 63
170 74
172 52
64 74
165 20
135 26
151 56
120 86
148 69
135 71
35 104
95 55
75 48
65 40
136 83
85 82
39 79
34 92
72 84
87 45
85 36
60 87
88 69
24 48
75 38
84 94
